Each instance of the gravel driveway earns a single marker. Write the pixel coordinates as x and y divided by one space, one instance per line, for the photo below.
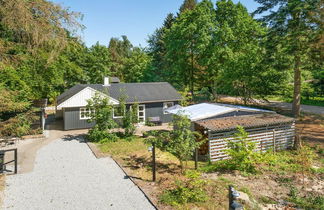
66 175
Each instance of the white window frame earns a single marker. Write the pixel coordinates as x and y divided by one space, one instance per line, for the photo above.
165 106
116 117
85 110
138 111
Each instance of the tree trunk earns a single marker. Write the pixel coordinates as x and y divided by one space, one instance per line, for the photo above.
181 166
297 87
192 76
297 142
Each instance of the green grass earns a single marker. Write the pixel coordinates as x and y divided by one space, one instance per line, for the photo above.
124 147
309 201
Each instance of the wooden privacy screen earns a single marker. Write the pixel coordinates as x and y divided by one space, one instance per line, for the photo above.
277 137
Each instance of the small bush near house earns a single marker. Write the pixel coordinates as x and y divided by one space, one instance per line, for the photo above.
242 152
189 190
97 135
101 112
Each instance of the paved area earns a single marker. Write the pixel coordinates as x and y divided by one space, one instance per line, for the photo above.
66 175
277 104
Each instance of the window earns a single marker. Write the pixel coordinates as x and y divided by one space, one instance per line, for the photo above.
118 112
85 113
141 113
167 105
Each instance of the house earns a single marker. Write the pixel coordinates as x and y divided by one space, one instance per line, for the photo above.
218 123
152 98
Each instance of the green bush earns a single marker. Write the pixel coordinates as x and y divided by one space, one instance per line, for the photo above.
242 152
97 135
190 190
19 125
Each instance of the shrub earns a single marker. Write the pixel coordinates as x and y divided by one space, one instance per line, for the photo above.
19 125
190 190
101 113
102 136
180 142
242 152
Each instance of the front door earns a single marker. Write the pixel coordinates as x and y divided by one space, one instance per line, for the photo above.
141 114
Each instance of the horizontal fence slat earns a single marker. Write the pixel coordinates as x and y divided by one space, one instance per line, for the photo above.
263 137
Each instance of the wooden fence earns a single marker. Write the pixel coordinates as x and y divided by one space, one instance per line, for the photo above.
276 137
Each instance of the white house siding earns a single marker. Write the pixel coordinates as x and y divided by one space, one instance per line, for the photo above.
278 136
81 98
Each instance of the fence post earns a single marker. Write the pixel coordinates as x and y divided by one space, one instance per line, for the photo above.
274 141
153 162
16 160
196 158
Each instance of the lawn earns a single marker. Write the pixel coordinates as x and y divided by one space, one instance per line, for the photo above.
280 178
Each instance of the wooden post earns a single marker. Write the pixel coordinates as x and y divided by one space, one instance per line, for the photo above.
274 140
261 144
196 158
16 160
230 198
153 162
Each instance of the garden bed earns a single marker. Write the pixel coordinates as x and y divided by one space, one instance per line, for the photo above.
281 183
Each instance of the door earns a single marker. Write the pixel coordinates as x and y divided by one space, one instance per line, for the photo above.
141 114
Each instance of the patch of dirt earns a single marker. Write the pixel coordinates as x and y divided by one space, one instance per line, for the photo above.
311 129
270 188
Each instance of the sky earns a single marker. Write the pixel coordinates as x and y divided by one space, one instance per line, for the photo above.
104 19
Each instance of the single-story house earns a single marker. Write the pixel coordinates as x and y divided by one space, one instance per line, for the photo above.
218 123
153 98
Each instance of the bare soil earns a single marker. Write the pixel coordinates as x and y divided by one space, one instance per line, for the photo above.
311 129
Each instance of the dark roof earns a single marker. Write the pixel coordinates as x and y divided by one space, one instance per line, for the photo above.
246 121
136 92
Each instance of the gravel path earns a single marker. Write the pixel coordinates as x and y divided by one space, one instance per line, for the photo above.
68 176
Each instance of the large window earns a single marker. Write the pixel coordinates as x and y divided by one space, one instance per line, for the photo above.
118 112
85 113
167 105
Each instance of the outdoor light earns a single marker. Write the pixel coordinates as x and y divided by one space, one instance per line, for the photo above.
150 148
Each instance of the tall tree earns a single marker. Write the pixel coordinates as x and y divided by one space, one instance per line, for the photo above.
188 5
160 69
119 50
291 24
38 23
98 63
237 53
136 65
187 41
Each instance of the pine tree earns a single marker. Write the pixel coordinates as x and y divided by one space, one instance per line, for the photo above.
291 25
186 44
